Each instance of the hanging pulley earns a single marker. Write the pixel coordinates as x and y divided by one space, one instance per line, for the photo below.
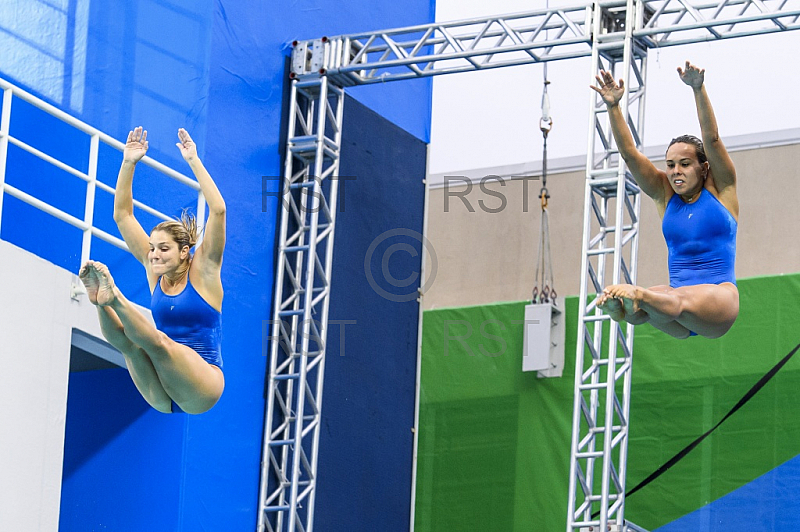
545 125
548 292
546 122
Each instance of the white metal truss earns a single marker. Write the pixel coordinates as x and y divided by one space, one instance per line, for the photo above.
610 241
300 313
529 37
617 35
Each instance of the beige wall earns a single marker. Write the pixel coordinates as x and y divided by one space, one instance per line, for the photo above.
484 257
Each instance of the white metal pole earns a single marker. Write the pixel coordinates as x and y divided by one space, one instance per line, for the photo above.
91 186
5 123
336 116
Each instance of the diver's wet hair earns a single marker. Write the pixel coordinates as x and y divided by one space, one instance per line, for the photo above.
184 232
694 141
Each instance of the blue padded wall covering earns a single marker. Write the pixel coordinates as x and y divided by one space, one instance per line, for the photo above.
244 119
216 68
122 462
767 503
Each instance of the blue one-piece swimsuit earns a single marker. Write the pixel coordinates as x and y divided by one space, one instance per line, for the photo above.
701 238
190 320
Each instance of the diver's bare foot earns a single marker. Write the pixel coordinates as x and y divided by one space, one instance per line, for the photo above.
105 284
630 296
90 281
611 306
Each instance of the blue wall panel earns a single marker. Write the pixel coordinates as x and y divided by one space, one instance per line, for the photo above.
122 461
216 68
365 457
245 110
769 503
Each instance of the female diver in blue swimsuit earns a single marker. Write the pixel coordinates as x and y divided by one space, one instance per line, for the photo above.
179 360
696 198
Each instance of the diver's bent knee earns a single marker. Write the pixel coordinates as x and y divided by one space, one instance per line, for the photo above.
161 345
637 320
720 332
165 407
199 407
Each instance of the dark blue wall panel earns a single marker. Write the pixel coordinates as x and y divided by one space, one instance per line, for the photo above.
365 456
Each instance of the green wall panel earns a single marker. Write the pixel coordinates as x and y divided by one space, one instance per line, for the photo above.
494 441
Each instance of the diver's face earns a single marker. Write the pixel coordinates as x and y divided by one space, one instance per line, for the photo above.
685 171
164 255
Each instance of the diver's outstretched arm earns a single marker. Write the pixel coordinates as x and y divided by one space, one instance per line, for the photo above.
722 169
129 227
653 181
210 250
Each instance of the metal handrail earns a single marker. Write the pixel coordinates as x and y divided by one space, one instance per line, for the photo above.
86 225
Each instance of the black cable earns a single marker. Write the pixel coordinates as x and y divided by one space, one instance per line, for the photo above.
686 450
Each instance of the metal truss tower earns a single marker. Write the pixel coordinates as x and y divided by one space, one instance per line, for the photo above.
300 313
610 241
616 34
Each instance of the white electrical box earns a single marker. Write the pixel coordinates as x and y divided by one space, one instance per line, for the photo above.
543 345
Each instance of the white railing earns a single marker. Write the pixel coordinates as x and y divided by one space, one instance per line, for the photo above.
96 137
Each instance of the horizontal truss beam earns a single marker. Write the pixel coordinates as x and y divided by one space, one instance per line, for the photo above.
531 37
